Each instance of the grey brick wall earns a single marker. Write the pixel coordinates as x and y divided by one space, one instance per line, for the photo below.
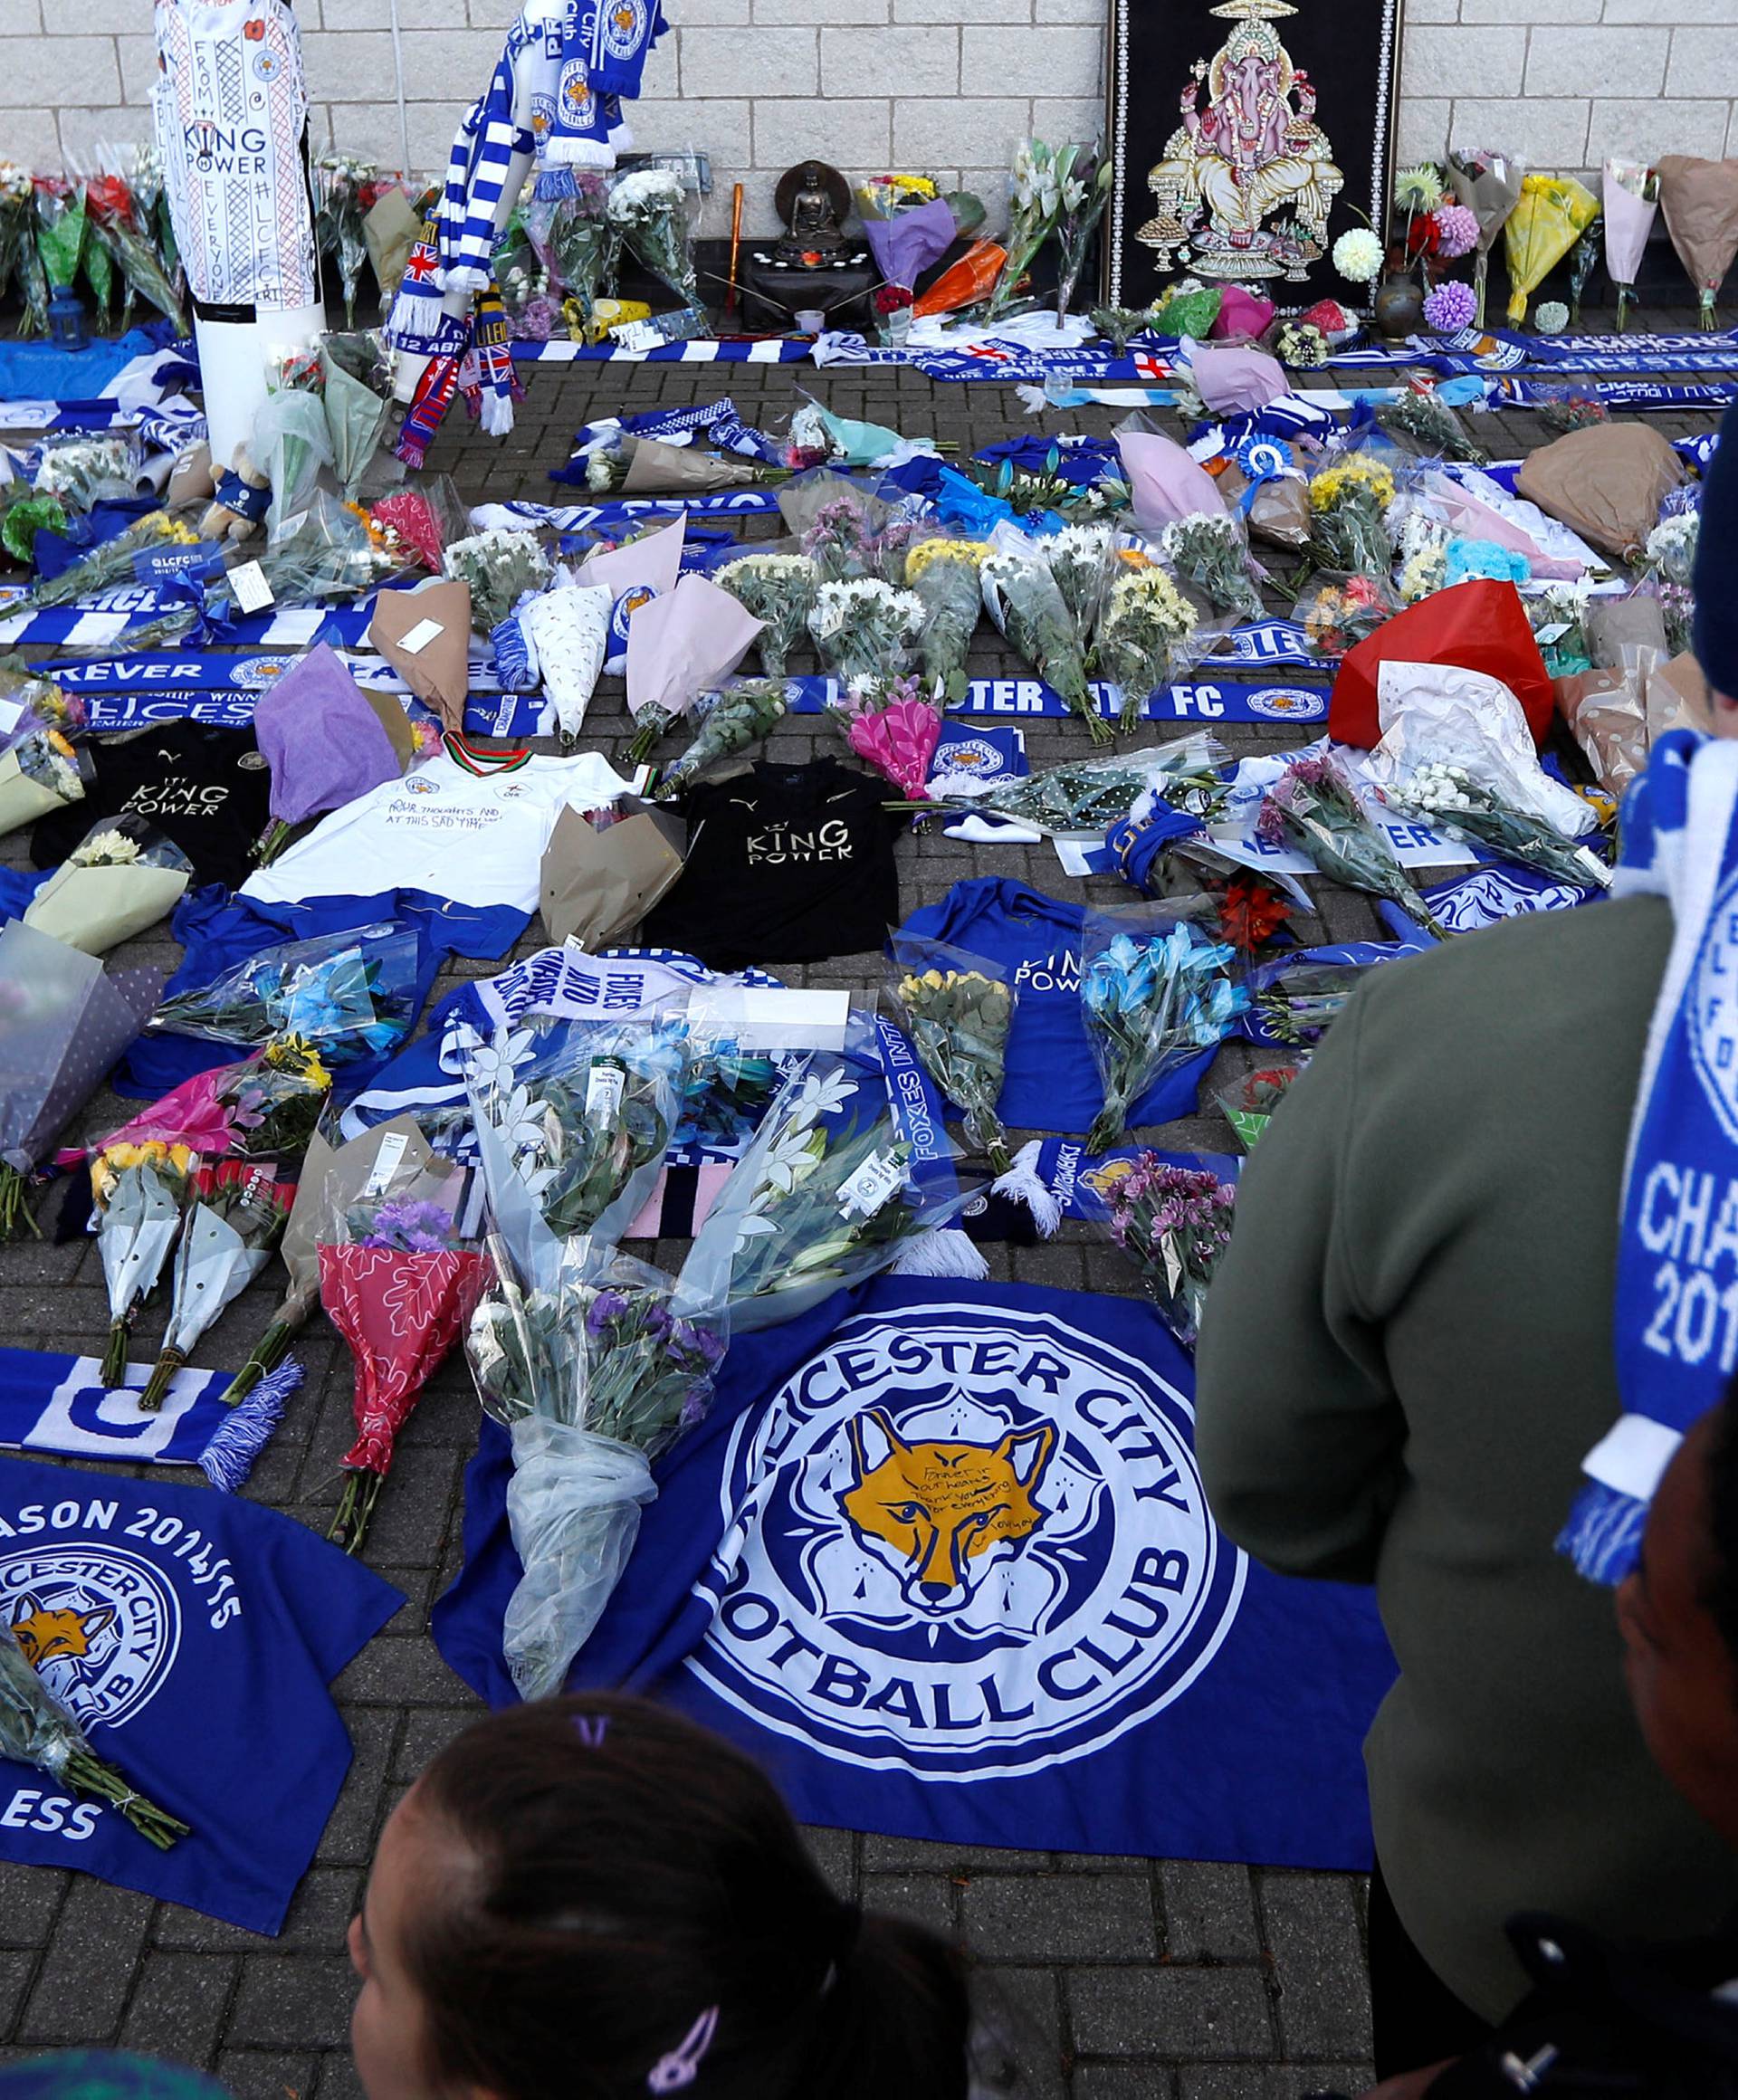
945 86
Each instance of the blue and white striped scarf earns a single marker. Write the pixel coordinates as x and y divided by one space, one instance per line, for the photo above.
1676 1334
477 171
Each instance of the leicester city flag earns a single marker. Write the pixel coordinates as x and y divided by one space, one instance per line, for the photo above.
192 1635
939 1555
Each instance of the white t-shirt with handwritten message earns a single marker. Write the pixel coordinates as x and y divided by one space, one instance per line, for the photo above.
475 838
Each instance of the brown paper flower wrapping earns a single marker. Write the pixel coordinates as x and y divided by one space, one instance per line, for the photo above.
440 672
1605 483
1700 200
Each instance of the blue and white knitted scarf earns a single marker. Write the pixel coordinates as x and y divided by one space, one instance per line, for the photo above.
1676 1314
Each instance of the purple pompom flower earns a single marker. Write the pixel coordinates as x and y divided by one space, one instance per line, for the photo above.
1456 230
1451 306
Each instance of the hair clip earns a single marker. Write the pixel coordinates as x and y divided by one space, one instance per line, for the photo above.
591 1729
671 2073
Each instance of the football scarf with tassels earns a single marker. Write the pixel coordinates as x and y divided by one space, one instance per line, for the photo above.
1677 1312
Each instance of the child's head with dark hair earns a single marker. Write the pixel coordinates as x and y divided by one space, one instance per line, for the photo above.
1678 1613
591 1898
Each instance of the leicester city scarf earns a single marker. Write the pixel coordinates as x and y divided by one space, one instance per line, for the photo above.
59 1404
1676 1315
812 1582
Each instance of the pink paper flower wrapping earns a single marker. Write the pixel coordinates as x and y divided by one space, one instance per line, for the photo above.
1243 314
685 643
898 741
1628 218
1236 379
1165 485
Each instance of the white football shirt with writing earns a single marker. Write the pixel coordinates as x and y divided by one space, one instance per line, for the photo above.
477 838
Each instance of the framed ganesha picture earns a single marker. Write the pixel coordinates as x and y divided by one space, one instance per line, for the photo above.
1246 138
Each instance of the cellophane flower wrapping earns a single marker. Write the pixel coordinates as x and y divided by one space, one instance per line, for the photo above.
573 1136
110 562
1085 192
1452 801
1211 552
355 397
40 772
1083 797
684 642
566 219
36 1729
273 1100
775 586
866 630
398 1287
942 570
1337 612
1248 1103
115 221
1034 206
648 208
352 995
394 1156
1315 809
1295 1000
896 730
569 630
1174 1223
958 1009
345 186
1156 992
729 721
1026 603
1147 630
500 566
827 1193
596 1364
1350 498
323 741
87 467
839 526
1551 215
63 1023
1432 425
1079 558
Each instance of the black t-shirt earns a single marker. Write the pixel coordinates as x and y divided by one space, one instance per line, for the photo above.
209 790
786 863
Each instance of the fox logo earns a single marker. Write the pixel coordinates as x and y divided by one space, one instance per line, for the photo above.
1105 1178
943 1513
61 1633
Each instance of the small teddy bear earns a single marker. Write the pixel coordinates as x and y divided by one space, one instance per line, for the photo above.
243 497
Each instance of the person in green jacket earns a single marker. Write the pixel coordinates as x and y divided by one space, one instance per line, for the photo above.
1406 1354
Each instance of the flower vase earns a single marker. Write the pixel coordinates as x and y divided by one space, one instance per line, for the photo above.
1399 306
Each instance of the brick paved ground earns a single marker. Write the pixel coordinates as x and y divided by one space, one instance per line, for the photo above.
1122 1977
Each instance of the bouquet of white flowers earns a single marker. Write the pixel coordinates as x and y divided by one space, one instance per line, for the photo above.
649 211
866 630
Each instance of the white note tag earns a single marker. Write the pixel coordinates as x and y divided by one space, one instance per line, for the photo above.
1554 633
878 1178
604 1091
253 593
420 636
386 1163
